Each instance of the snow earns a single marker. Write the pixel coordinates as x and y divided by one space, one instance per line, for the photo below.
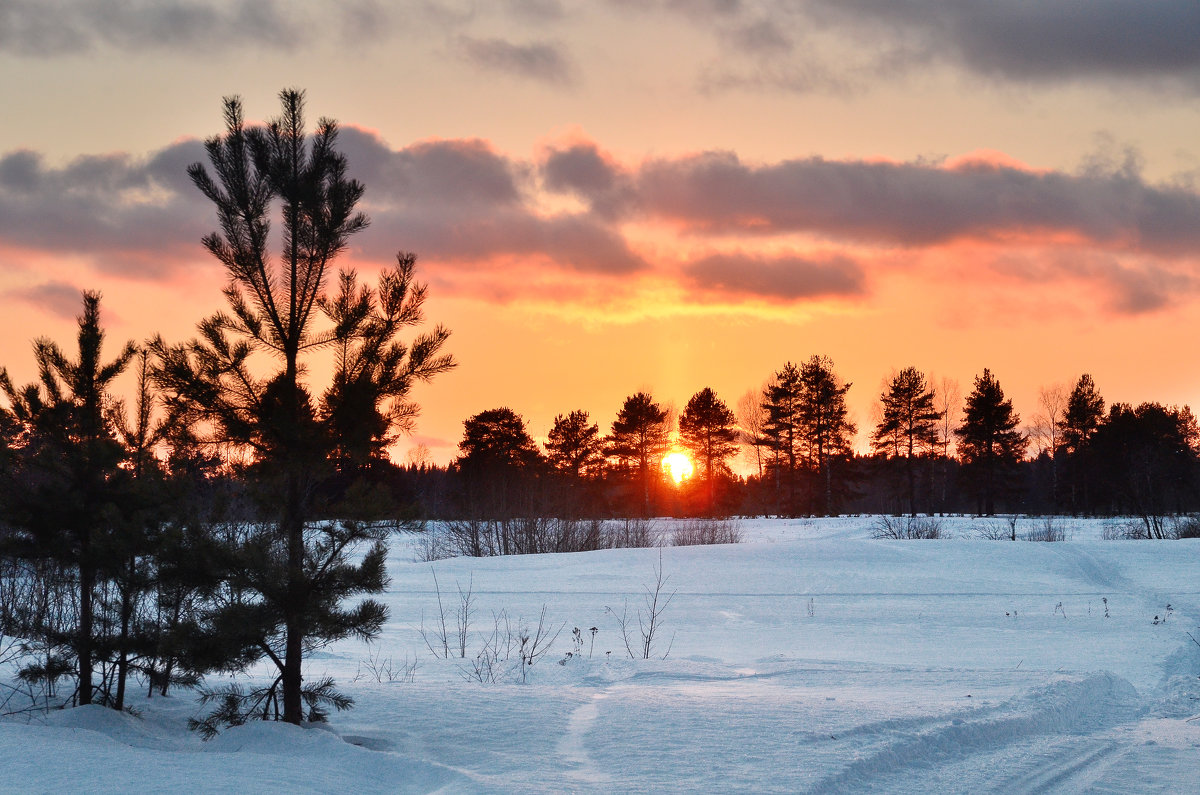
809 658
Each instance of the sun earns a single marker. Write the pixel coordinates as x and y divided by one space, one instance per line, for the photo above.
678 466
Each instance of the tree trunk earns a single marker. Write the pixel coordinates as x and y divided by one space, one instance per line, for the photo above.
293 660
123 645
83 643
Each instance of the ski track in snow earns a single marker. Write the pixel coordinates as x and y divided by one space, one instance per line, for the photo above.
573 745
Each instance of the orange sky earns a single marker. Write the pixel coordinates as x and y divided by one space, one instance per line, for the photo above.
609 196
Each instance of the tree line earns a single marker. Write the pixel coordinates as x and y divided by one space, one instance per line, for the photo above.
929 453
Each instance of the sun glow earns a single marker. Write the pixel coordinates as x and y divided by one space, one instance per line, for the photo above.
678 466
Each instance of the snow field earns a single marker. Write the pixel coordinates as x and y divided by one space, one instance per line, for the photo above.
810 657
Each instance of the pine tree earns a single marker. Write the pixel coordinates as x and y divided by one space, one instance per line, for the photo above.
298 574
989 442
908 425
500 465
639 439
1082 418
824 422
573 446
707 430
782 434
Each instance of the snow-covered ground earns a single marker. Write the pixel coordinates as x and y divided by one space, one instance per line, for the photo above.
809 658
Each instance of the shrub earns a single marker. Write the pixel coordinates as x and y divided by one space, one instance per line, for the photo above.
696 532
481 538
1047 531
907 528
1186 527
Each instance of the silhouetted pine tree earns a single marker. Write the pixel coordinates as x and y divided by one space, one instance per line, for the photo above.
1083 416
499 464
573 446
296 573
707 429
783 437
825 426
988 441
908 426
640 438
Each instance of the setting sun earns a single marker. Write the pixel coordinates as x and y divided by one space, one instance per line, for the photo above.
678 466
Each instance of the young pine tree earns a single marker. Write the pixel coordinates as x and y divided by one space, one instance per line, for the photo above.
298 574
69 498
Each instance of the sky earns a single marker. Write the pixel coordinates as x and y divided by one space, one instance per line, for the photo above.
608 196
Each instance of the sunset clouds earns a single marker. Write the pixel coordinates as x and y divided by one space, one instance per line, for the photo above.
717 228
661 194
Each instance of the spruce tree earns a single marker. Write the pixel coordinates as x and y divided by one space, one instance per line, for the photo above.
297 574
989 442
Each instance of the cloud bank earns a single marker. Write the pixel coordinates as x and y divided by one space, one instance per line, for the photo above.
716 228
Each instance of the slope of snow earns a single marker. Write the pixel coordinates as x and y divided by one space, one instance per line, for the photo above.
810 657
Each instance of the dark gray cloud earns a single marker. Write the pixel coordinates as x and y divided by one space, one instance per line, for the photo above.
836 45
787 278
480 238
57 298
461 201
47 28
451 201
441 172
919 204
128 215
545 62
583 170
1044 40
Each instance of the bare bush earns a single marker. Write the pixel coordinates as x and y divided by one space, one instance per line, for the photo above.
697 532
907 528
1048 530
509 652
633 534
1138 529
649 622
1121 531
533 535
441 640
992 531
38 609
384 670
